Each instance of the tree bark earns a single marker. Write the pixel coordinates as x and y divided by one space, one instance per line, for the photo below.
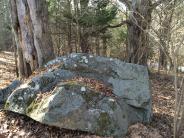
165 34
97 43
69 23
30 27
84 43
70 48
104 50
140 20
15 57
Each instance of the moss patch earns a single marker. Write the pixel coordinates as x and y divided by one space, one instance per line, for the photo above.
70 85
32 106
104 124
7 104
90 96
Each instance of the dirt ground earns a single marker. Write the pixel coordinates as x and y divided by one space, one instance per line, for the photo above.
14 126
7 68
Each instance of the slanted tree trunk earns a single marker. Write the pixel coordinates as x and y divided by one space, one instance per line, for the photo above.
140 20
30 27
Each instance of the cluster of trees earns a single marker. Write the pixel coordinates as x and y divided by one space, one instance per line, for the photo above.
135 31
82 23
166 29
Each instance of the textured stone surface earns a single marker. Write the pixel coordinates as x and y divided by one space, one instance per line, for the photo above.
4 93
77 106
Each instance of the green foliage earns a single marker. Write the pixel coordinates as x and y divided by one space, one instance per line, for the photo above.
116 44
106 15
88 19
98 14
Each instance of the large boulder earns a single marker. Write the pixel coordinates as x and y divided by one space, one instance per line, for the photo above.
88 93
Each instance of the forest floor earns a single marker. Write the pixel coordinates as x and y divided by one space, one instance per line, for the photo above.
15 125
7 68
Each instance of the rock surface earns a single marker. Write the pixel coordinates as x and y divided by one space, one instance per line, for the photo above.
4 93
52 98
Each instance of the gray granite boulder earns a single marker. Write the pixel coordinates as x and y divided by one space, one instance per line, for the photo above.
52 98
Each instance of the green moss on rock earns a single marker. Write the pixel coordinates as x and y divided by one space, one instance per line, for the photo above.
90 96
104 124
7 104
70 85
31 107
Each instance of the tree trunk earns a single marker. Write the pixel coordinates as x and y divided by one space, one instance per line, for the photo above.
30 27
140 20
104 50
97 46
70 48
15 57
78 29
69 23
165 34
84 37
84 43
162 59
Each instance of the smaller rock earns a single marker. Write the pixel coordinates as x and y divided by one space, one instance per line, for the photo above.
86 61
91 56
75 65
83 89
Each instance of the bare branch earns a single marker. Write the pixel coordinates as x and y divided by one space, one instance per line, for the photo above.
115 26
102 30
157 3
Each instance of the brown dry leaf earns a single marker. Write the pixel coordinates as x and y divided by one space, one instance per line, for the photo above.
96 85
141 131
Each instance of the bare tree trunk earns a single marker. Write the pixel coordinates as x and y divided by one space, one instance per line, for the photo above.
162 59
69 37
140 20
70 48
97 46
15 57
30 27
84 44
165 33
104 50
78 29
